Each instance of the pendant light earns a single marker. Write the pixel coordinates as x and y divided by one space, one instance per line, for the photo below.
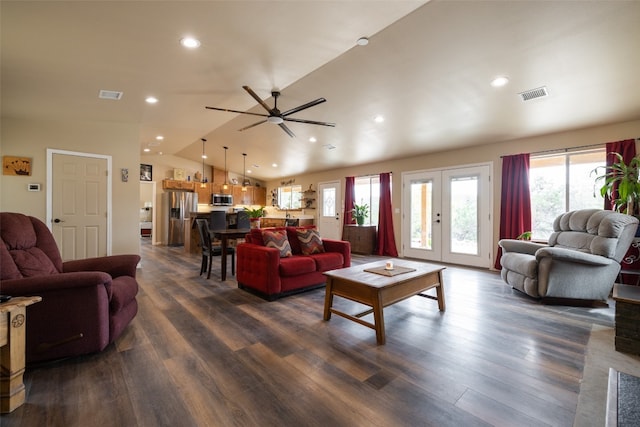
204 156
225 186
244 170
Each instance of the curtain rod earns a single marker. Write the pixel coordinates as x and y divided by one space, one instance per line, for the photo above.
566 150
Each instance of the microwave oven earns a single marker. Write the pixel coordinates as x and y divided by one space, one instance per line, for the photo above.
222 200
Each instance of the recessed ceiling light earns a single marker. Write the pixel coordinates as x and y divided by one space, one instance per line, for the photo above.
312 139
362 41
151 99
146 150
159 137
275 165
248 170
204 156
500 81
378 119
190 42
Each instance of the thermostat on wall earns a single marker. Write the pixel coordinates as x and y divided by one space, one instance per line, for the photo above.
33 187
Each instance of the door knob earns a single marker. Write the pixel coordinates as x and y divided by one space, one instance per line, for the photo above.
58 220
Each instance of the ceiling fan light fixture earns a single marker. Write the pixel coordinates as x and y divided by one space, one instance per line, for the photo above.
275 120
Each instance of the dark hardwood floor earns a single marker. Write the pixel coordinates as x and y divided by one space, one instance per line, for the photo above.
205 353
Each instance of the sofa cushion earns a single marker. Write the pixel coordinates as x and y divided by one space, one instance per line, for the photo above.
328 261
277 239
296 265
524 264
310 241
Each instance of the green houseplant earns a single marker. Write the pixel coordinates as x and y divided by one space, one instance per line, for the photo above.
360 213
255 215
625 178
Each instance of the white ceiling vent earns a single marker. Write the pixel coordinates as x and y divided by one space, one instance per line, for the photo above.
528 95
110 94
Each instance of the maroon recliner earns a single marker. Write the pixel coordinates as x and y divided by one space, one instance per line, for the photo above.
86 304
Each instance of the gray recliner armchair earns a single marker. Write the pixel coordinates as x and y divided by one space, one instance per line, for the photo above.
581 261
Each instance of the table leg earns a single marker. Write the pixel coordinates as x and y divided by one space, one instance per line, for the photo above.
223 261
12 391
378 319
440 291
328 299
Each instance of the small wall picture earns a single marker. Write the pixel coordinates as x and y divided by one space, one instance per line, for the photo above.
16 166
124 174
146 172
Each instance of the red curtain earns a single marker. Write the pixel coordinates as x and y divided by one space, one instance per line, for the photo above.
515 208
349 200
386 237
627 149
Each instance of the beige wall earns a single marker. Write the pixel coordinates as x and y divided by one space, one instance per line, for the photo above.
31 138
481 154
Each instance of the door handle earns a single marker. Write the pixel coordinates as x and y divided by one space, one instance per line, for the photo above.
58 220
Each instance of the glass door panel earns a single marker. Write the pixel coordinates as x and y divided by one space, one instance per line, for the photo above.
464 215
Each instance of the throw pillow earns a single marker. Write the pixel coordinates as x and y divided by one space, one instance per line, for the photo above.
310 242
277 239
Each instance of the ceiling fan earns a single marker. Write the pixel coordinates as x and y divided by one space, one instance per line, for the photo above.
275 116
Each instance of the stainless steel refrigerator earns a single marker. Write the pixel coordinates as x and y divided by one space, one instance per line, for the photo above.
178 205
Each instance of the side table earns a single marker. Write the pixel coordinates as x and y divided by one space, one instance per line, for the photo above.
13 318
627 298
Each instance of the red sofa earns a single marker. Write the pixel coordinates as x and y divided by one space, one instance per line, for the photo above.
261 270
86 304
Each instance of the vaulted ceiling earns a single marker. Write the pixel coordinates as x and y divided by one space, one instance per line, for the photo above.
427 69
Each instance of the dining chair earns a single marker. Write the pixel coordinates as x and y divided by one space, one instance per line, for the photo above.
243 220
211 248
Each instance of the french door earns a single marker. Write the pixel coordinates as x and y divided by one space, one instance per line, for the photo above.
446 215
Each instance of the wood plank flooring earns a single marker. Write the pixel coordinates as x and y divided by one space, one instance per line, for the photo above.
205 353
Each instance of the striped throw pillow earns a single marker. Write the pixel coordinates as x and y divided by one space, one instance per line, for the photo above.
278 240
310 241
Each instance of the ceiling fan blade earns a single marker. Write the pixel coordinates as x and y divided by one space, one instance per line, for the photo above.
257 98
287 130
304 106
250 126
310 122
236 111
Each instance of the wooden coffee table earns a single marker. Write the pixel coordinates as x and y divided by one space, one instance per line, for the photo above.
381 290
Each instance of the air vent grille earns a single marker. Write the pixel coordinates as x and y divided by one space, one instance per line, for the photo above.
110 94
528 95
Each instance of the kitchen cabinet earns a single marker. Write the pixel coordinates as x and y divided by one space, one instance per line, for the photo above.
260 196
253 195
204 193
172 184
361 237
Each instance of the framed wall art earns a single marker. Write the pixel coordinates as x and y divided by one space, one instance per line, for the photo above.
146 172
16 166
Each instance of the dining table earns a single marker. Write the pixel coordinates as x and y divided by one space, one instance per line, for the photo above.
224 235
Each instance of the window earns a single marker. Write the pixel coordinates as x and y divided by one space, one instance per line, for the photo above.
290 197
560 183
367 191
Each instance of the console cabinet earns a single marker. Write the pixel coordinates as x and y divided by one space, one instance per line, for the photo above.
361 237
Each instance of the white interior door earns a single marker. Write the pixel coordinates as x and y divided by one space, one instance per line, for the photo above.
78 202
447 215
329 210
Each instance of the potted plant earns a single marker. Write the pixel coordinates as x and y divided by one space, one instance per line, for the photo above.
624 178
360 213
255 215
